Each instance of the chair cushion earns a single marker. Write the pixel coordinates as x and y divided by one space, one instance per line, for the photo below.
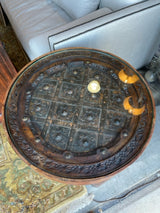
117 4
77 9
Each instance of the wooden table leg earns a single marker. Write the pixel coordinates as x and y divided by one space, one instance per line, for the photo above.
7 73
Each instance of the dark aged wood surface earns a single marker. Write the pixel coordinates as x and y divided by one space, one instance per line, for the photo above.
69 134
7 73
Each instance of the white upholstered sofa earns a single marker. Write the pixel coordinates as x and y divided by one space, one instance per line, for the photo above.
127 28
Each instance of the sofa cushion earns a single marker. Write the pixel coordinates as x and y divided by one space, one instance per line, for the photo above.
77 9
32 18
117 4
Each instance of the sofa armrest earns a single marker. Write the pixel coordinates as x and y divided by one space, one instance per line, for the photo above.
124 33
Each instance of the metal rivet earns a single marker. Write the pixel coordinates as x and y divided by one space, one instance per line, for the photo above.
89 117
75 72
97 76
25 119
67 155
38 108
103 151
58 137
117 122
70 92
37 140
85 143
46 87
125 133
64 113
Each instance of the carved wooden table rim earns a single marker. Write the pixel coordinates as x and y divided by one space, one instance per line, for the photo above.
79 115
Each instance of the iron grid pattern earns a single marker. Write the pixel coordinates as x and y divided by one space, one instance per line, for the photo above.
58 126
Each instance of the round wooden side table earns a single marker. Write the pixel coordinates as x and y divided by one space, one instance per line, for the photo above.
79 115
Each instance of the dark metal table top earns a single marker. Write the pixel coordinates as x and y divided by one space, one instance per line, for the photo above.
79 115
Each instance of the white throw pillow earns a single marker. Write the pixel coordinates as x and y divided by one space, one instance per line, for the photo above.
117 4
77 9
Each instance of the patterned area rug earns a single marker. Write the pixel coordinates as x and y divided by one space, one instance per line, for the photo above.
24 190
